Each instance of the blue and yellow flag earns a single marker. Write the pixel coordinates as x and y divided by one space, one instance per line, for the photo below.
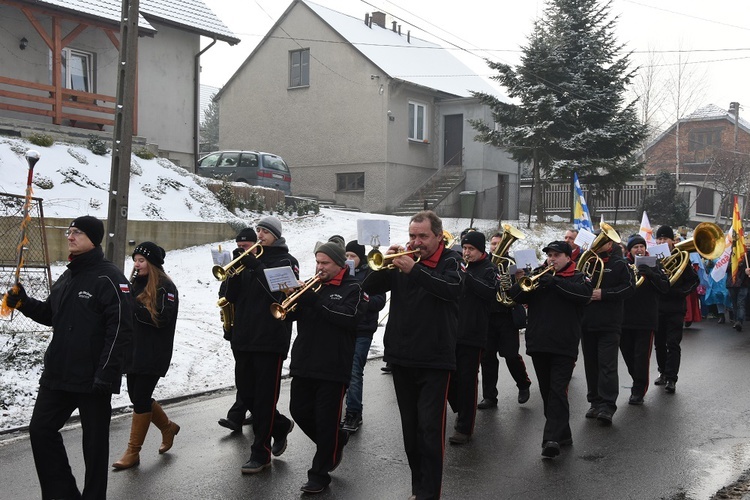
581 217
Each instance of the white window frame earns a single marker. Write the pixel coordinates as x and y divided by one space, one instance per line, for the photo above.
418 125
69 54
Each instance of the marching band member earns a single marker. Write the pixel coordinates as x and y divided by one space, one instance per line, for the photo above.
147 358
420 344
260 344
477 294
503 339
672 307
640 319
570 238
322 355
600 333
553 345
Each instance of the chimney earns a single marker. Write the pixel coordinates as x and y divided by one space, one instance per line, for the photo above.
408 36
399 30
367 19
393 24
378 18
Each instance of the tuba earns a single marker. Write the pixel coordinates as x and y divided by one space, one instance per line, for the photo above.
510 235
279 311
707 240
234 268
589 263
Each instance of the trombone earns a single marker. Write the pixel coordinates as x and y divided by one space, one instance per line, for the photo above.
279 311
234 268
589 263
530 283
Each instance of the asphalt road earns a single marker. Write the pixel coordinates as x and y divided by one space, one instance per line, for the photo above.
682 446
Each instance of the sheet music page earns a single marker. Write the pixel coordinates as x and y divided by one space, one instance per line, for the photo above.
281 278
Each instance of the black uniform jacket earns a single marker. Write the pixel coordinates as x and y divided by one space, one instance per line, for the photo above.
368 323
642 309
423 318
326 328
90 309
151 349
674 301
618 284
555 312
742 278
255 329
477 295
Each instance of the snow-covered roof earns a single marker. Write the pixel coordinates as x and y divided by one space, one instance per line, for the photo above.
705 113
417 61
192 15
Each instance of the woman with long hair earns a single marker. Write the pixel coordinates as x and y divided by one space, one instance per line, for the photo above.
156 305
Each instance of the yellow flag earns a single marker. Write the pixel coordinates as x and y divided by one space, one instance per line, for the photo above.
738 252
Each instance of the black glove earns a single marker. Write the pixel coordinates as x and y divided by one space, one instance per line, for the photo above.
645 270
249 260
545 280
16 296
100 387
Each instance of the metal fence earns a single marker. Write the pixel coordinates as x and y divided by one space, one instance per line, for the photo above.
35 273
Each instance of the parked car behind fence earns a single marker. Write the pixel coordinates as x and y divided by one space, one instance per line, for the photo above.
253 167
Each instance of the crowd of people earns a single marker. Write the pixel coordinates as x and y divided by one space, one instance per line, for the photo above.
453 309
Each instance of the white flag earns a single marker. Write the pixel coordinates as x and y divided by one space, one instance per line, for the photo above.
720 269
646 231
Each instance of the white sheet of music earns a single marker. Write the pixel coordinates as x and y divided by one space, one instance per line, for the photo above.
584 239
659 251
649 260
526 259
281 278
373 232
221 257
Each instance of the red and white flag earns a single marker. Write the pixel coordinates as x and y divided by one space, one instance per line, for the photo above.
720 269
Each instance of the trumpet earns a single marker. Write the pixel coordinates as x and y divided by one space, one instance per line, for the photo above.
279 311
590 263
234 268
378 261
530 283
226 312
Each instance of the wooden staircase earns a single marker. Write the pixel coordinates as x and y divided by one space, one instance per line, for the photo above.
433 191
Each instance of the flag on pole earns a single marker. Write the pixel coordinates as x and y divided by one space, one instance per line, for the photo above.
738 245
646 231
720 268
581 217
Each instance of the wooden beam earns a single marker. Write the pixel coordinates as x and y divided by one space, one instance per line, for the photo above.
57 71
73 34
112 38
38 27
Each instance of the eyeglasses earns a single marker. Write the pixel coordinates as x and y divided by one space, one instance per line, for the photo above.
74 232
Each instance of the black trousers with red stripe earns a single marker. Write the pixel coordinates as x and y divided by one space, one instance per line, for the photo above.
636 346
462 391
316 407
422 399
258 379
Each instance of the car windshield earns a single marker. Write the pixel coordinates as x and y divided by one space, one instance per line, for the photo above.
274 163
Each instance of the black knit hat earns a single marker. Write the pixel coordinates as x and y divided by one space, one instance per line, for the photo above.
475 239
665 232
247 234
151 252
358 249
334 251
558 246
634 240
271 224
93 227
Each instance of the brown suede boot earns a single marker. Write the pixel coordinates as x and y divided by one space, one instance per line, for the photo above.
138 430
168 428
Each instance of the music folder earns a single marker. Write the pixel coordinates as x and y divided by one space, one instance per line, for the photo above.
281 278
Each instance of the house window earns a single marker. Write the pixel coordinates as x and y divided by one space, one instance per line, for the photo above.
704 203
704 139
354 181
77 70
299 68
417 122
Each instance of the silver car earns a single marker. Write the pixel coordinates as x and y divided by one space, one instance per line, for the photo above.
253 167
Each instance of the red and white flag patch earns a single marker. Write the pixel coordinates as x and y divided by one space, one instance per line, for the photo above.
124 288
170 297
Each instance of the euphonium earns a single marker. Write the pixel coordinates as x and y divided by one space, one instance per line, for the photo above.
590 263
510 235
226 312
234 268
707 240
529 283
279 311
379 261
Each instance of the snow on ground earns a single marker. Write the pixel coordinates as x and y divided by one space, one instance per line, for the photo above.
202 359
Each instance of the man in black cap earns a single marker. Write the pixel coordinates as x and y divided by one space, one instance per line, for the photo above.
83 363
600 333
322 355
641 319
556 306
477 293
260 342
672 308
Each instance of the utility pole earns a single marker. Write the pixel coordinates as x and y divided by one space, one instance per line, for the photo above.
119 181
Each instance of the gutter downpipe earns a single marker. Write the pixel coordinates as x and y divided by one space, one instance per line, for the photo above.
197 104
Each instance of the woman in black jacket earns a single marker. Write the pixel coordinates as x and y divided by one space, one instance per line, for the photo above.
156 305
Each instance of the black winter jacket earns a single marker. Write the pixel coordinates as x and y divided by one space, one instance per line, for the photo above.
555 312
90 309
642 309
255 329
326 328
368 323
151 348
478 292
423 318
618 284
674 301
